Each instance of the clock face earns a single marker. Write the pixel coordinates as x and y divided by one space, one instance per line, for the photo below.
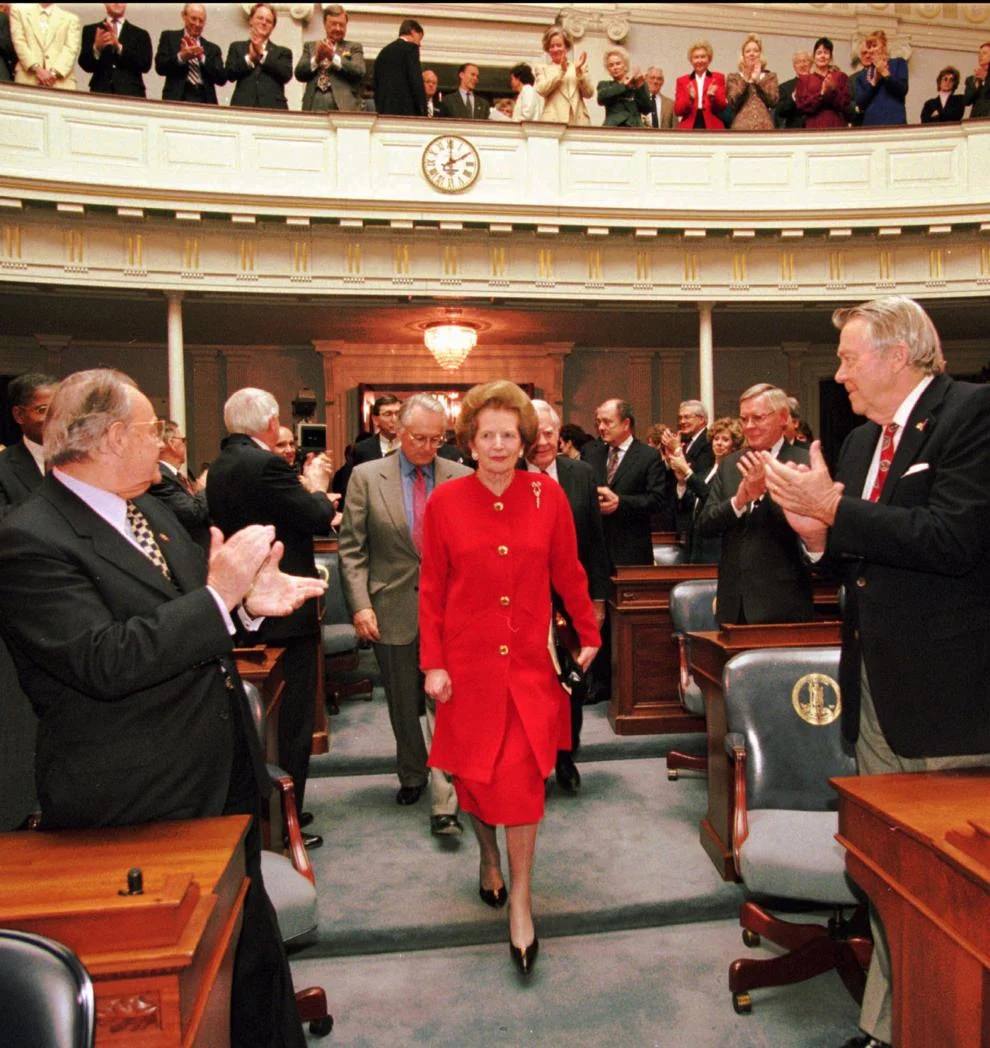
451 163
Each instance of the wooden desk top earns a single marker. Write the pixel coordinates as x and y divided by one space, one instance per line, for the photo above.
256 663
784 635
66 884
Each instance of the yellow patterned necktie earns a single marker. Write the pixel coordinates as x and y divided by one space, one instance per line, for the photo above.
145 537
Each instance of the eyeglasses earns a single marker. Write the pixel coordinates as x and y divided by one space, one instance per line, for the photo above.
425 442
157 427
755 420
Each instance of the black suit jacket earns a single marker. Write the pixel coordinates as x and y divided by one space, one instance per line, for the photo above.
933 112
786 112
700 458
367 450
398 80
916 567
177 88
113 73
263 86
578 482
453 106
191 511
248 485
641 486
19 477
139 705
8 56
762 572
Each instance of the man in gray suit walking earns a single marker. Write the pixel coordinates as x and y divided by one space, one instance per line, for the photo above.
380 541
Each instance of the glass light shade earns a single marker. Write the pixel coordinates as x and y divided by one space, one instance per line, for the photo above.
450 344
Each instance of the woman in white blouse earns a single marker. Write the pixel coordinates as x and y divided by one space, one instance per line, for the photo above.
529 105
563 84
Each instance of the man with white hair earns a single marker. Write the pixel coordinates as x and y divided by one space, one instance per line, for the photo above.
906 523
578 482
661 115
380 541
250 484
122 637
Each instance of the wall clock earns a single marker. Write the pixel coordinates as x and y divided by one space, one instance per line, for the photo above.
451 164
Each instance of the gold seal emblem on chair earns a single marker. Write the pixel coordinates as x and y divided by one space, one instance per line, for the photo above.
816 699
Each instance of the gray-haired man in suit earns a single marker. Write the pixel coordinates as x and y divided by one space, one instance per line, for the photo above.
379 562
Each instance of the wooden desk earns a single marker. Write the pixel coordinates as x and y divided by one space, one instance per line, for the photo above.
710 651
919 845
262 666
645 669
161 962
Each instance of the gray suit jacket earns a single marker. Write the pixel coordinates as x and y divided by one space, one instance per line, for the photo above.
345 83
379 563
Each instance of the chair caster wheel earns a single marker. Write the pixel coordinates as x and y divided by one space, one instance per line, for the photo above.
321 1027
742 1003
672 774
750 938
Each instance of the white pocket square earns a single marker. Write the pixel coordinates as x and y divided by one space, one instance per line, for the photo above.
918 467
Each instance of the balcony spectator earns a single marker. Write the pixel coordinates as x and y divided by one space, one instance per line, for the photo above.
332 68
624 97
563 84
823 94
117 53
260 68
881 86
529 104
977 93
502 110
752 92
8 56
192 66
699 99
47 41
398 77
786 113
464 103
661 114
433 96
947 107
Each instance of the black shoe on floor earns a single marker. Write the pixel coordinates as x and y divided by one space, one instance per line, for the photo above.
310 840
864 1040
525 959
409 794
445 825
568 777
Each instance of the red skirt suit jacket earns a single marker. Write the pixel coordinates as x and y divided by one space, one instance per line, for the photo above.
685 107
484 616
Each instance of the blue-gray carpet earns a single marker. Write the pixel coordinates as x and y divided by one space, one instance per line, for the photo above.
637 930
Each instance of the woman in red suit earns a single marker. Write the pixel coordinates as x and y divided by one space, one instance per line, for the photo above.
493 545
700 96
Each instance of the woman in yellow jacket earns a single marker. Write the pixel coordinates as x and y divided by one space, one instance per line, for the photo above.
564 85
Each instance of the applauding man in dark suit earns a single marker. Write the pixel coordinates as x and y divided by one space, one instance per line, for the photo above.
907 524
192 66
22 465
578 482
122 637
117 53
762 574
260 68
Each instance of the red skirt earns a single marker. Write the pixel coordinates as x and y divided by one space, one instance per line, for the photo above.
515 794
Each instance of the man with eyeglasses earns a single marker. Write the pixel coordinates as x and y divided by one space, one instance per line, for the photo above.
763 575
22 465
185 497
380 541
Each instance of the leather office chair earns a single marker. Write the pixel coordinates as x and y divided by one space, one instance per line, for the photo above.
669 554
339 638
784 742
692 608
46 995
290 882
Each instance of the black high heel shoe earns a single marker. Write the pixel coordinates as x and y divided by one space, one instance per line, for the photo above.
494 897
525 959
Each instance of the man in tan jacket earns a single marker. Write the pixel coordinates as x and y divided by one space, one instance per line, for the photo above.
47 41
379 565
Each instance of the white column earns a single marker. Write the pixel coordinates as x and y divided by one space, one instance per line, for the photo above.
176 362
706 358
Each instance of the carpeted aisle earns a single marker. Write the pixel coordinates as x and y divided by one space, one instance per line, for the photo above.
637 930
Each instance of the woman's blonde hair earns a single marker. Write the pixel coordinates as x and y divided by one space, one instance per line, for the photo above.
732 426
620 51
701 45
751 38
498 394
556 30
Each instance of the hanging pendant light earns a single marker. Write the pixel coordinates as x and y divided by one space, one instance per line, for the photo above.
450 341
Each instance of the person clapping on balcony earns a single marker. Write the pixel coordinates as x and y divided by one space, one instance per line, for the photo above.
332 68
260 68
699 100
624 97
978 86
563 84
823 93
947 107
881 86
752 92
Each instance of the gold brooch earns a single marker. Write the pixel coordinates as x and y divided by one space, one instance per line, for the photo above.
921 426
537 488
